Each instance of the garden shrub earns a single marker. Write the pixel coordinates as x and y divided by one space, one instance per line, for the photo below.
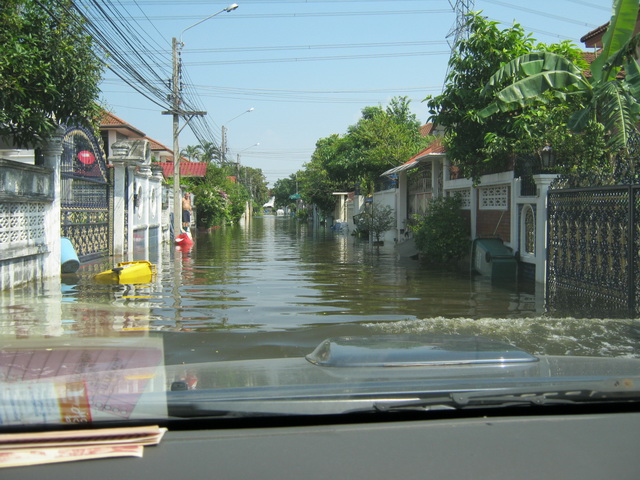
441 233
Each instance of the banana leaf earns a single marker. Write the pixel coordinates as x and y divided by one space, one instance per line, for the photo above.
620 31
616 113
530 64
632 77
532 87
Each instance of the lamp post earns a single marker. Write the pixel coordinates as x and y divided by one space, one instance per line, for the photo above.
548 157
244 150
223 146
177 112
248 205
238 157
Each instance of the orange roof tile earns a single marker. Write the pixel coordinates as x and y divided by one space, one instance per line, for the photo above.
435 147
109 120
155 145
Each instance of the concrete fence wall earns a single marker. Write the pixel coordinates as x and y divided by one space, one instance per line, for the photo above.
30 218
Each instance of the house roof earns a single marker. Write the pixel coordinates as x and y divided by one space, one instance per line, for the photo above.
157 146
405 166
435 149
110 122
187 169
591 38
427 129
594 37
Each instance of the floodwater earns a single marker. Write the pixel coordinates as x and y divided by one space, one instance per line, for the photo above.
275 287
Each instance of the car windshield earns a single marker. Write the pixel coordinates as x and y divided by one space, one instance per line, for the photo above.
372 252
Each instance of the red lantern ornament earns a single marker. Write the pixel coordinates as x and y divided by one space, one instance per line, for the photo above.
86 157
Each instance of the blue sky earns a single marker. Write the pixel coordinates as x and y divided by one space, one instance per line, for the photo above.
308 67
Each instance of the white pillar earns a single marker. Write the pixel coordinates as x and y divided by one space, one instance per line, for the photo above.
128 195
52 150
401 203
543 181
119 203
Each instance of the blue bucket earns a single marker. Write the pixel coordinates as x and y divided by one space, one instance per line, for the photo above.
69 258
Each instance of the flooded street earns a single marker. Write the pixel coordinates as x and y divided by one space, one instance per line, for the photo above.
275 287
279 274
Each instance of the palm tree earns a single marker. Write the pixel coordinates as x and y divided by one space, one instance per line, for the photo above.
209 151
606 96
191 152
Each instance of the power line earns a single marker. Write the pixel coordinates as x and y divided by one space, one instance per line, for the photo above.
306 14
316 59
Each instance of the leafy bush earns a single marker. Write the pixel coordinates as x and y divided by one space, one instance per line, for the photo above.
213 206
376 220
441 234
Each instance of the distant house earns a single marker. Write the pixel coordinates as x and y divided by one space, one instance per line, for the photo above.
412 185
593 39
113 129
159 152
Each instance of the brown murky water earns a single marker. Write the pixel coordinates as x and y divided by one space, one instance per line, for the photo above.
275 287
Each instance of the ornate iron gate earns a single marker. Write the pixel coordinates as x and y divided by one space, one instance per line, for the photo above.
594 251
86 194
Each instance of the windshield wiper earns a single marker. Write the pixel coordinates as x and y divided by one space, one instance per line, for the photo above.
200 411
208 404
504 399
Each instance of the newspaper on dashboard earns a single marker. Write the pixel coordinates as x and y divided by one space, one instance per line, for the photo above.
23 449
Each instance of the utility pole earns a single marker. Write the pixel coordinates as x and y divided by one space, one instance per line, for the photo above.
223 145
177 112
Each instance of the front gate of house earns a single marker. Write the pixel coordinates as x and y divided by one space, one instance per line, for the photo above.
594 251
86 194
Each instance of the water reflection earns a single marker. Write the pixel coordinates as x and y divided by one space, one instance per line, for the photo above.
267 275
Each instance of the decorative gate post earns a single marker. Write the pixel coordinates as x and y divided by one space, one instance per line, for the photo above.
543 181
120 196
127 156
52 150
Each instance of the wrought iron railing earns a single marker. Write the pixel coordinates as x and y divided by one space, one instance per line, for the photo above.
594 251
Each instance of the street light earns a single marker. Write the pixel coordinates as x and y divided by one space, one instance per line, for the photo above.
230 8
548 156
223 147
244 150
248 207
238 157
177 113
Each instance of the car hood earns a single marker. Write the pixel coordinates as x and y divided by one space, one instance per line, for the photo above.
360 370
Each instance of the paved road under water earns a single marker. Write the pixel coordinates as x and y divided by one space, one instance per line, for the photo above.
275 287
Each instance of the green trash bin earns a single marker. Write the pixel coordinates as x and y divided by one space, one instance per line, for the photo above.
492 258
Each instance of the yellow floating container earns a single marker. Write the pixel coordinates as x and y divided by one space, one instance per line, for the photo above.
125 273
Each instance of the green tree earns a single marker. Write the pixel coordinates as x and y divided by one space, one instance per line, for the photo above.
479 144
605 96
48 73
383 138
256 184
219 199
316 185
473 62
441 234
283 189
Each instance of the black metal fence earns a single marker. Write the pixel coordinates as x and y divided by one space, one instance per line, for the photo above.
594 251
86 194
